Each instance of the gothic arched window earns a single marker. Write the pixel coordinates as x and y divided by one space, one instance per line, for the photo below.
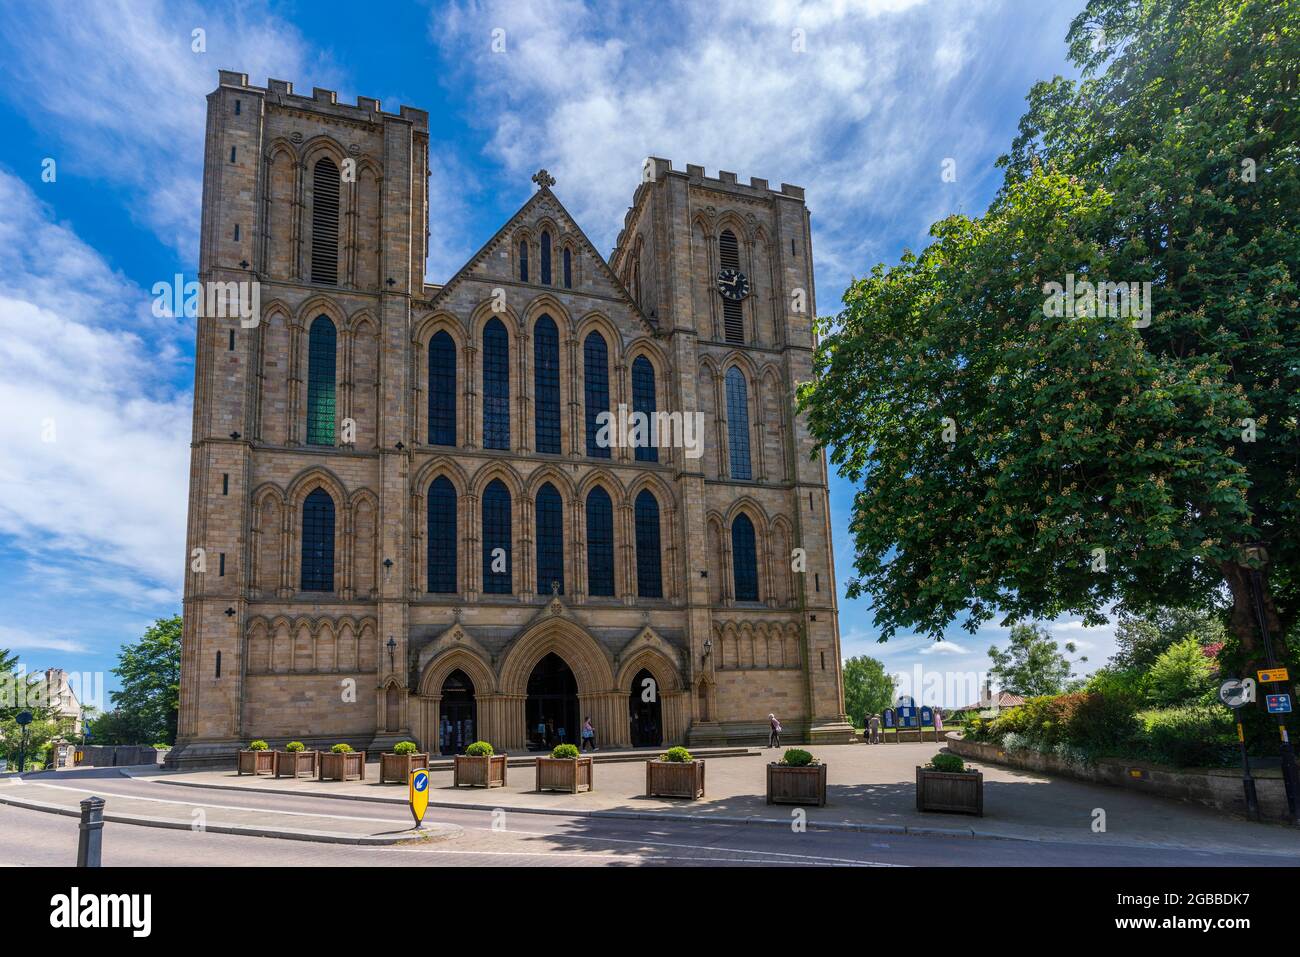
549 516
496 539
496 386
442 536
442 390
322 347
738 423
546 385
546 258
318 542
325 222
600 543
595 374
733 316
744 558
649 576
643 400
523 260
568 268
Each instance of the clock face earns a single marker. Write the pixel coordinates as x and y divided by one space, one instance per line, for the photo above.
733 284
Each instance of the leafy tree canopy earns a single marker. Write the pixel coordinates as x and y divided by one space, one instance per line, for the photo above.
867 688
1019 461
145 709
1032 663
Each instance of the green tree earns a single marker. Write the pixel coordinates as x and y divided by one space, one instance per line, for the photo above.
19 692
1142 638
1021 462
1032 663
146 706
868 689
1182 674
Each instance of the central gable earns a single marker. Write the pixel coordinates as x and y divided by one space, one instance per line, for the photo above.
500 265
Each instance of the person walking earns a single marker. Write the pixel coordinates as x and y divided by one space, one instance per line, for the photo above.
875 729
588 735
774 734
938 725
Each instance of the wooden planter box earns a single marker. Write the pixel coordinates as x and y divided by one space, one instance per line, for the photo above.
565 774
296 764
959 793
679 779
256 762
349 766
397 768
787 785
488 771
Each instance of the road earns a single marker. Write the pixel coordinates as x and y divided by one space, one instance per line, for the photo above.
30 837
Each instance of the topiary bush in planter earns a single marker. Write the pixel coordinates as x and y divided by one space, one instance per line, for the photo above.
565 770
480 766
676 755
675 774
948 763
341 749
295 746
798 778
342 763
256 759
295 760
395 766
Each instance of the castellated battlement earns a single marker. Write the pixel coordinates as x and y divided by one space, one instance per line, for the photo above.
724 180
324 101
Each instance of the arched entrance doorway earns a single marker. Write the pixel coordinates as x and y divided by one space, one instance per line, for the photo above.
551 711
645 711
456 726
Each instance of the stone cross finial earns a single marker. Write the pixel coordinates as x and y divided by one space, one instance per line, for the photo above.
543 179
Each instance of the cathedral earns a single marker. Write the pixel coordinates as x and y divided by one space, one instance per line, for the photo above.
555 487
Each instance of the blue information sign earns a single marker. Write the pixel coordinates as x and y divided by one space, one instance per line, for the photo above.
1278 703
887 717
927 716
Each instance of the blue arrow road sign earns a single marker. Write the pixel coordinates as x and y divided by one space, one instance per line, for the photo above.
1278 703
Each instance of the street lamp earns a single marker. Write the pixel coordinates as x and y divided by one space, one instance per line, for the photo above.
1256 556
392 647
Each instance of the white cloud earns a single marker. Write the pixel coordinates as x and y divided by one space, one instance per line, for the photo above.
96 440
945 648
878 97
123 93
15 640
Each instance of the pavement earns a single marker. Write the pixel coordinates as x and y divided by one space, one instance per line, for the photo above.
870 789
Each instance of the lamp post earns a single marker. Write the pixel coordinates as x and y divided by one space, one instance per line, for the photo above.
392 648
1257 556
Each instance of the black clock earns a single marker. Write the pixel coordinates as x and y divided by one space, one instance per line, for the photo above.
733 284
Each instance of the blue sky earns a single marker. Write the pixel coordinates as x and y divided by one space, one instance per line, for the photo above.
859 102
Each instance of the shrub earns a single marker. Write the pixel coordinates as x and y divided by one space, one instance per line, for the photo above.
1189 735
1182 674
479 749
676 755
404 747
342 749
798 758
951 763
295 746
564 751
258 745
162 747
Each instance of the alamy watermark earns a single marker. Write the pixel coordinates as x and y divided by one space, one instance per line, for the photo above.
1120 300
240 299
684 430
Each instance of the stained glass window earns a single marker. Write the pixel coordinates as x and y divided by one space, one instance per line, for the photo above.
496 539
744 558
442 536
318 542
596 379
549 514
442 390
643 400
546 385
738 423
321 377
649 577
496 386
600 543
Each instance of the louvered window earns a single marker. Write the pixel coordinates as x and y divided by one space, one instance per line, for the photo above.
546 259
600 543
546 385
523 260
733 317
596 387
325 223
442 390
550 539
568 268
442 536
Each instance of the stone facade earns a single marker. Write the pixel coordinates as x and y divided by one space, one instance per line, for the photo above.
369 660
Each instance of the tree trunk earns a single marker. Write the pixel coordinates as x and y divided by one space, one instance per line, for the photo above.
1244 621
